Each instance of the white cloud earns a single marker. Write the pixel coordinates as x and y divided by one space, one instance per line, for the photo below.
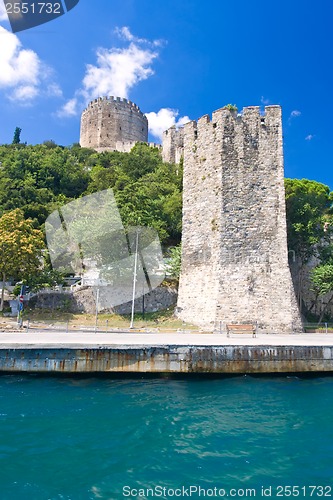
3 13
264 100
181 121
125 33
21 71
294 114
24 93
164 119
17 66
309 137
54 90
70 108
116 72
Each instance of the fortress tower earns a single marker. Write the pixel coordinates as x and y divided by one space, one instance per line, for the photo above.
112 124
235 262
173 145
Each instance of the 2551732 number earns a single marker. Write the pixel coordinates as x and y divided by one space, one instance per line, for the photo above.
304 491
33 8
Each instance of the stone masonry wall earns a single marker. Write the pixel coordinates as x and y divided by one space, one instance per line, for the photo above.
173 145
84 300
112 124
234 262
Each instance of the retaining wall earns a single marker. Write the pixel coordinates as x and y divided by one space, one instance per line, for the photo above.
168 359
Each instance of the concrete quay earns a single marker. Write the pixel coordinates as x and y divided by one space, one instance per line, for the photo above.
157 352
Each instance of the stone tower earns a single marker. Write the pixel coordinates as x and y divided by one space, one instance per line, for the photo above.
235 262
112 124
173 145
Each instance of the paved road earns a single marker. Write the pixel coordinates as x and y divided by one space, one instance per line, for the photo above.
127 339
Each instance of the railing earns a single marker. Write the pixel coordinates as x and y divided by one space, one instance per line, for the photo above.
318 327
100 327
55 289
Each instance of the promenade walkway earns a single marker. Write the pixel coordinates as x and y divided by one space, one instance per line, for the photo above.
39 339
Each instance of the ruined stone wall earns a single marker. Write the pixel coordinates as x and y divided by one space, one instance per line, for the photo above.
173 145
84 300
234 262
112 124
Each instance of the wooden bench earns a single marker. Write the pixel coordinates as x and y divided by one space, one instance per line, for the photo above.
247 329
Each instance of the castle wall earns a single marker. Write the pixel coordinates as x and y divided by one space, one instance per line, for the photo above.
173 145
234 262
112 124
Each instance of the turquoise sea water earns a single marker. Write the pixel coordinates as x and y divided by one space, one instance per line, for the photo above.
89 438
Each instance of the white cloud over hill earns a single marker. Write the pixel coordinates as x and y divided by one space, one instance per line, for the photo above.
22 73
116 72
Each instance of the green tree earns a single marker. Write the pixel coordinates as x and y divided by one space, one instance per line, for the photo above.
322 281
39 178
174 262
41 278
17 136
21 247
148 192
308 206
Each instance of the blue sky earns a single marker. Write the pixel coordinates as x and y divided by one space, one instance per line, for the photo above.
176 59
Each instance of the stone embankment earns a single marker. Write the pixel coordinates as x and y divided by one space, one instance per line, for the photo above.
170 353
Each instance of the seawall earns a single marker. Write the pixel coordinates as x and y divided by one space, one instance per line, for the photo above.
109 353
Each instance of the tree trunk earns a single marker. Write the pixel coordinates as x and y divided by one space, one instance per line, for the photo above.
145 272
2 292
300 285
324 310
314 303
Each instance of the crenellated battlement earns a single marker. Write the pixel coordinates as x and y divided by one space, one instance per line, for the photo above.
122 101
112 123
109 121
249 115
222 120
